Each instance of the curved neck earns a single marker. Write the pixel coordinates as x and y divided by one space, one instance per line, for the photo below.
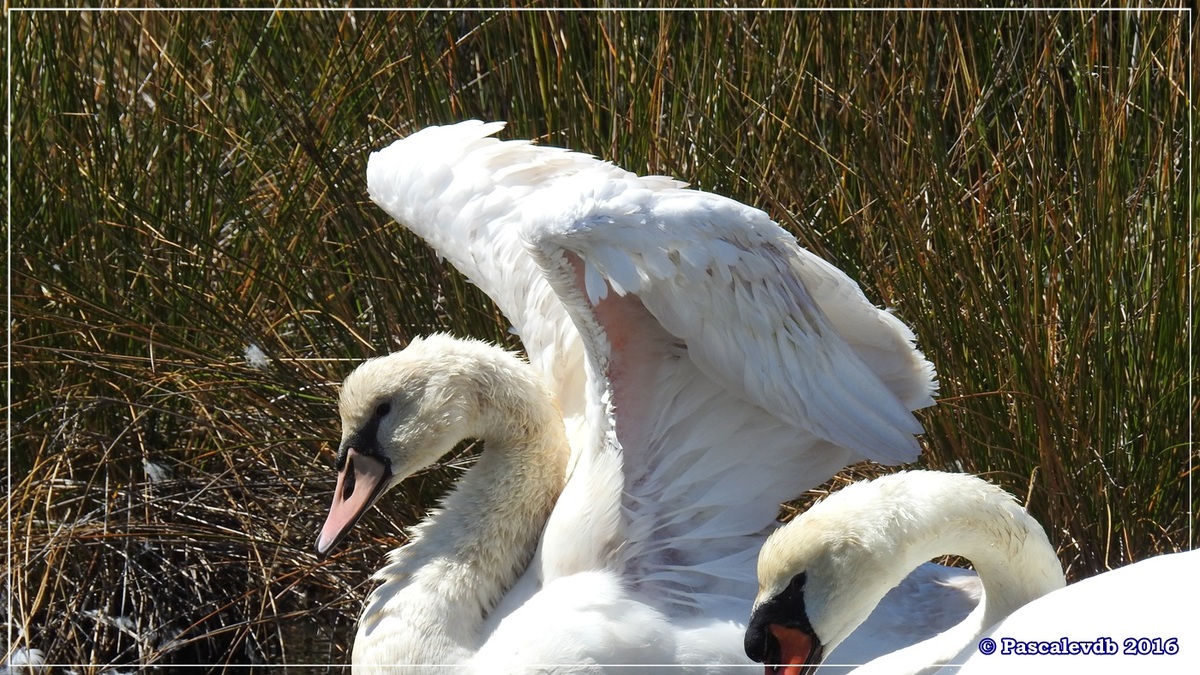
465 556
1008 583
1008 548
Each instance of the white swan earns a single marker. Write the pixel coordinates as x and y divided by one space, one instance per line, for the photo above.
823 573
402 413
706 369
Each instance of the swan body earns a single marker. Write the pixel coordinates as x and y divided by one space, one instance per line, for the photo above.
703 368
1138 607
822 574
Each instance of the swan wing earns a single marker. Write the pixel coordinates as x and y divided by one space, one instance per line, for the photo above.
461 191
760 316
730 370
711 367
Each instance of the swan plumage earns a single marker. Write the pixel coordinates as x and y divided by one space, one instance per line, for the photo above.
822 574
929 601
1139 607
706 368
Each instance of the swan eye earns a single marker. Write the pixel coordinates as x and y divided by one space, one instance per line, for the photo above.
797 583
383 409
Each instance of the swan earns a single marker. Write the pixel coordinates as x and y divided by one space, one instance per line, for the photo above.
701 368
403 412
823 573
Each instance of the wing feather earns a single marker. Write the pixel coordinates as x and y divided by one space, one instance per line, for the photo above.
703 303
769 397
709 365
460 190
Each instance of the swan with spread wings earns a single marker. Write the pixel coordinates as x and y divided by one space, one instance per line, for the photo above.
690 367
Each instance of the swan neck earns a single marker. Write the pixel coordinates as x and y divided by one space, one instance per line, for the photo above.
1008 548
466 555
1015 562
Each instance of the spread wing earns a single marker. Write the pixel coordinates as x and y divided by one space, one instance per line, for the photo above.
462 192
709 366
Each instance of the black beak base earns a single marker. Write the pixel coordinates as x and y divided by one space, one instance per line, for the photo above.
783 614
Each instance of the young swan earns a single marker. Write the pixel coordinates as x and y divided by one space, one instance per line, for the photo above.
822 574
401 413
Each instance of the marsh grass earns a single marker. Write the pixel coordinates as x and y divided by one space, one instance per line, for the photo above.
188 188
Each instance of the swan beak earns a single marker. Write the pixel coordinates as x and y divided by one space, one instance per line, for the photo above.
360 482
780 635
797 653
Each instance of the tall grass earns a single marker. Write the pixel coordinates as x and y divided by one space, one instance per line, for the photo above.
188 189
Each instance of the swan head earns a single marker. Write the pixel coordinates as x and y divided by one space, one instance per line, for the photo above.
816 577
401 413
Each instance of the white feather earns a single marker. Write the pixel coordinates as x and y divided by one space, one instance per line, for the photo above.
597 289
730 370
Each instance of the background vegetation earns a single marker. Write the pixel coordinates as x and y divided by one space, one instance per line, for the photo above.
195 265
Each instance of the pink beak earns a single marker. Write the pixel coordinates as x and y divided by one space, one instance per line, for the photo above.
359 484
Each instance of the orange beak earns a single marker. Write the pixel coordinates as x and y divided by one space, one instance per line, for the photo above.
360 482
